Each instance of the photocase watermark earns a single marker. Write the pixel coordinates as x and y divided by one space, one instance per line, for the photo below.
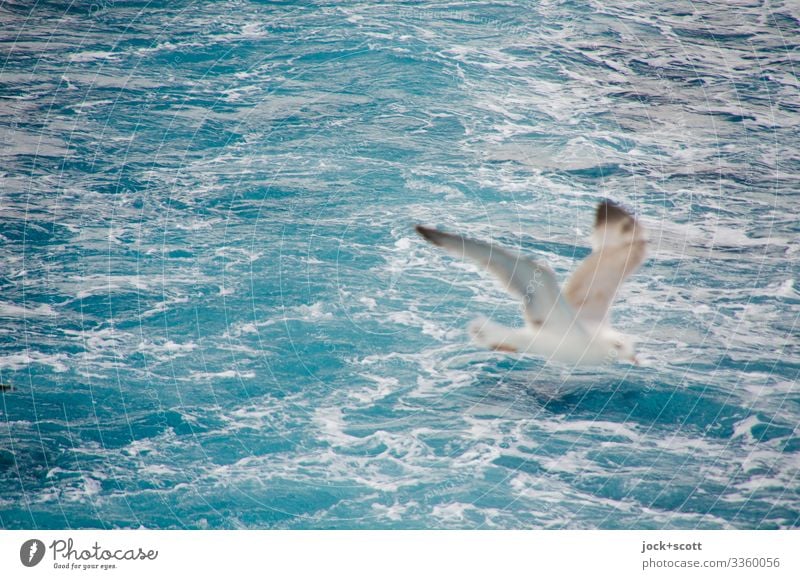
66 555
100 7
32 552
499 25
535 283
611 357
447 486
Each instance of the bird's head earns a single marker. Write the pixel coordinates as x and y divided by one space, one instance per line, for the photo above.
625 351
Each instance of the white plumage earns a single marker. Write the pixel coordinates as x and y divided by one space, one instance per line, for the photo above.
569 325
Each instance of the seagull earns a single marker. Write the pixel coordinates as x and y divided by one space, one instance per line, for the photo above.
569 324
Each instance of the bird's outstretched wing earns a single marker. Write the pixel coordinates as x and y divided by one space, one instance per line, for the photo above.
618 249
533 283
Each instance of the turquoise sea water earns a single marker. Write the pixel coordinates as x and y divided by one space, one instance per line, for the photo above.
215 313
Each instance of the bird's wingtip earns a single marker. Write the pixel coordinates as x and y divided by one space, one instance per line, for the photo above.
609 211
428 233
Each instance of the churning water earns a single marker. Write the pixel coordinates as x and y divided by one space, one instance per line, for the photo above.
214 311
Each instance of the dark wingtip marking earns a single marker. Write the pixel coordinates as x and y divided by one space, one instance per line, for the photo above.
428 233
6 387
610 212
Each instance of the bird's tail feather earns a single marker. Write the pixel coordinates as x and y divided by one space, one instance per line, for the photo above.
494 336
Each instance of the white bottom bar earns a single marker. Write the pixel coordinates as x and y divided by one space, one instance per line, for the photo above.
388 554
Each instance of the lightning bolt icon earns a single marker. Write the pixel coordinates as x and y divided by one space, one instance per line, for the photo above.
32 552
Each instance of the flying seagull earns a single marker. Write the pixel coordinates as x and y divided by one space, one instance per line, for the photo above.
570 324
